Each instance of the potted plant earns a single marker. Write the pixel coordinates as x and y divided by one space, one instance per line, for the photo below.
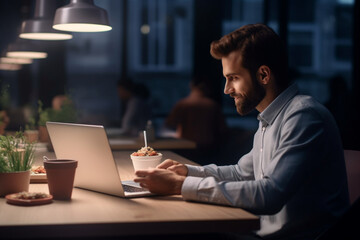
64 112
16 159
44 116
4 105
4 120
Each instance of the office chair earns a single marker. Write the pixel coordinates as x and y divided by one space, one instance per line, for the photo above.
348 225
352 161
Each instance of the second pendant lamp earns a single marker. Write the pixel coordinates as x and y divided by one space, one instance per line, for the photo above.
81 16
40 27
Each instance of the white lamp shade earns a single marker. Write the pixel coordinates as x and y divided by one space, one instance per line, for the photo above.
10 67
25 49
40 27
81 16
27 54
12 60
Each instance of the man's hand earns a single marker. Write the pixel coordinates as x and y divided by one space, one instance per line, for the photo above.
160 181
174 166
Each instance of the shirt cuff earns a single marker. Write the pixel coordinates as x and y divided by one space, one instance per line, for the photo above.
189 188
196 171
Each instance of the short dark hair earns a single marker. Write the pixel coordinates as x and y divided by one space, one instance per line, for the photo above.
259 45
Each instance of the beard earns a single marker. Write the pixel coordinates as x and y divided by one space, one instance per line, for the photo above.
247 102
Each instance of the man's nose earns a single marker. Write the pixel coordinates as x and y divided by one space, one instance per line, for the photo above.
227 88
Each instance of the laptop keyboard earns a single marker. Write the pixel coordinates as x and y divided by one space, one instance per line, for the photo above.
128 188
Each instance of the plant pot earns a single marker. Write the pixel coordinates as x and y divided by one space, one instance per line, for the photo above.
14 182
60 174
43 134
32 135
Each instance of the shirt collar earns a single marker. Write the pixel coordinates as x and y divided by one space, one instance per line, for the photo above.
268 116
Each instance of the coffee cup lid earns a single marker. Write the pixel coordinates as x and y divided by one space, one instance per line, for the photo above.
60 163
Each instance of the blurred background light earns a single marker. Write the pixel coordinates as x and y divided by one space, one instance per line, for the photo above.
16 60
10 67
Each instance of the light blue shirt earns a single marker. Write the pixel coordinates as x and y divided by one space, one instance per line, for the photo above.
294 177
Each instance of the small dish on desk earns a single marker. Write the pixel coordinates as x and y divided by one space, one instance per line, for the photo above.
38 175
28 198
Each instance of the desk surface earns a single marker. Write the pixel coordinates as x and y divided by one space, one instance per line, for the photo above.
95 214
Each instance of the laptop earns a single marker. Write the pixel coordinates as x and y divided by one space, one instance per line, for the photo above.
97 169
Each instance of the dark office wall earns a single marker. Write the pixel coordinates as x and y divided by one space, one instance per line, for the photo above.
11 13
51 80
207 27
352 140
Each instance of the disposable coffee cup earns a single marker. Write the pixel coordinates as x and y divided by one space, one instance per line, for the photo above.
60 175
145 162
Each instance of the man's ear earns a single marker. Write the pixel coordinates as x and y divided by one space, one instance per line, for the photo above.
263 74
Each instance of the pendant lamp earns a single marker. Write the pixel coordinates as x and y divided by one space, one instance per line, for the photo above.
10 67
25 49
81 16
11 60
40 27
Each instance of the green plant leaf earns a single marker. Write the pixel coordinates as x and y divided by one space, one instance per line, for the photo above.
16 153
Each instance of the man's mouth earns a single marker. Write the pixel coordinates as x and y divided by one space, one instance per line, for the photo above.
236 98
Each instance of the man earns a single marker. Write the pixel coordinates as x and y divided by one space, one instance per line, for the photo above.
294 177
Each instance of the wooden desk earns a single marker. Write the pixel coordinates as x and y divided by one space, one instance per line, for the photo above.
91 214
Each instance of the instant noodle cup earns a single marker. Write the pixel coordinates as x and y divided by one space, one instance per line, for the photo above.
145 158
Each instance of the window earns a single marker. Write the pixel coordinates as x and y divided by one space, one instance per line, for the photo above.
160 34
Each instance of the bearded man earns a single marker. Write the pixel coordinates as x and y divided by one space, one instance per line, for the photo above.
294 177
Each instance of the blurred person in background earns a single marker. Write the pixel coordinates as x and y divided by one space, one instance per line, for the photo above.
198 117
136 110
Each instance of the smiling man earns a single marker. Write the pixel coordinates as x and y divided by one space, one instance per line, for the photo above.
294 177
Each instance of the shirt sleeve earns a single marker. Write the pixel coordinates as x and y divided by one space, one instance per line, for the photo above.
239 172
302 134
211 183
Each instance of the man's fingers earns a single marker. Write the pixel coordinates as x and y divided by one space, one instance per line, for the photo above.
143 185
173 168
139 179
165 164
179 169
141 173
140 176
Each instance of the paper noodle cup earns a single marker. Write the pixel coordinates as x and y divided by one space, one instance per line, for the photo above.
145 162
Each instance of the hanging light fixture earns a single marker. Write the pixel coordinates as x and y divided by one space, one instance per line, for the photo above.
81 16
11 60
40 27
10 67
25 49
